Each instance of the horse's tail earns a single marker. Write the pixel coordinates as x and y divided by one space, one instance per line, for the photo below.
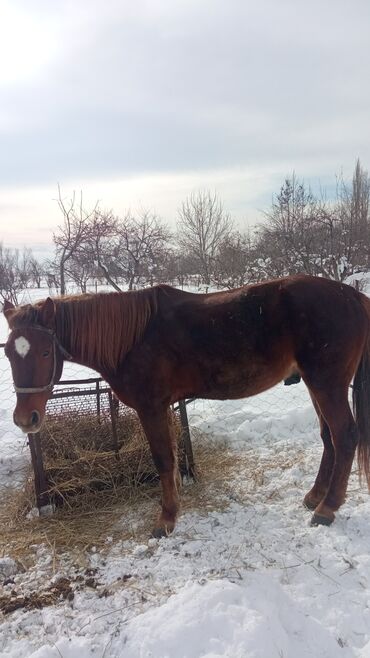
361 404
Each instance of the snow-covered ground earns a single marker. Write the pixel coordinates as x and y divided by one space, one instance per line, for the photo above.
251 581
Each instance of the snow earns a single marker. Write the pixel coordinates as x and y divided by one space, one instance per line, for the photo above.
250 579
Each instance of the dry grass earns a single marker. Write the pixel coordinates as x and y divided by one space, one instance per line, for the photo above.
104 496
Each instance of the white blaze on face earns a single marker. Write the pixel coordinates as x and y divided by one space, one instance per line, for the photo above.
22 346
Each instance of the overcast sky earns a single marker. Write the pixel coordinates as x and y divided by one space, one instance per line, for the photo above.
139 103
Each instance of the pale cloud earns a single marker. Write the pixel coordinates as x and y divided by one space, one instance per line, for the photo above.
140 103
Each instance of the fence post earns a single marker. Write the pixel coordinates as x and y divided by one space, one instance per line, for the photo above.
97 386
186 439
41 483
114 415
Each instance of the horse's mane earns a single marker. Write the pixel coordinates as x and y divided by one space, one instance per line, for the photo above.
99 329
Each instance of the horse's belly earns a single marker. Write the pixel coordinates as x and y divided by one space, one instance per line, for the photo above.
240 382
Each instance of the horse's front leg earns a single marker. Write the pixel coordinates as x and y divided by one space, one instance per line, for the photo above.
159 431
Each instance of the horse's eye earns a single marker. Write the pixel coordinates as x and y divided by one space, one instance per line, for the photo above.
46 353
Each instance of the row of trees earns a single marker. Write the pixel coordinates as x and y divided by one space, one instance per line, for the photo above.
17 271
303 233
300 233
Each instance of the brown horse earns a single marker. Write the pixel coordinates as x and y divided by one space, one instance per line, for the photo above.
160 345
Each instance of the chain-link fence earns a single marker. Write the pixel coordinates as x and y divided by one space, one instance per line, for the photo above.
282 411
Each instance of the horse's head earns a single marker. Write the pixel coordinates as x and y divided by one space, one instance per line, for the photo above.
36 360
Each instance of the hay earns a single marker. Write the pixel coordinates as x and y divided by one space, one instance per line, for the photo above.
82 457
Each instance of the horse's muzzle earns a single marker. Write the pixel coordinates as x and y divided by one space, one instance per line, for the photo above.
30 423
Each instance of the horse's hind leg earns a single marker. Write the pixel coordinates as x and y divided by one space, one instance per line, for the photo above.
336 411
319 489
158 428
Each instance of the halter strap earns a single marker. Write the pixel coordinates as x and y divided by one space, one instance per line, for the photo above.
65 354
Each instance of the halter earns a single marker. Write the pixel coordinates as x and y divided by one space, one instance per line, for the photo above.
65 354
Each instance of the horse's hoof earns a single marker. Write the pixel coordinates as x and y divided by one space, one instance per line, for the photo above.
162 531
319 519
157 533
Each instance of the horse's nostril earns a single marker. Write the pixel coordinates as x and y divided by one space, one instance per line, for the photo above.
35 417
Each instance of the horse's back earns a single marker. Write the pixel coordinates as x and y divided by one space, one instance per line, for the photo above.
299 321
298 308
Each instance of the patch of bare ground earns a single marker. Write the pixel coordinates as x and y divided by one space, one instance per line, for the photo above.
60 590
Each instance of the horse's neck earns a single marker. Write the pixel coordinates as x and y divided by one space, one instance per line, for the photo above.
99 330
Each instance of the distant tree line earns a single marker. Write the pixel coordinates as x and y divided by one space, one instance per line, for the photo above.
301 232
18 270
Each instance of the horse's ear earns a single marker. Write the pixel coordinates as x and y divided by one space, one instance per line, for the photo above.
47 313
8 309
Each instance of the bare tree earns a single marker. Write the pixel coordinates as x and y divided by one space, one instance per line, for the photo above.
306 234
81 269
352 218
51 273
290 228
24 259
100 245
133 250
300 235
71 235
14 272
360 201
203 225
36 271
142 249
181 267
233 262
